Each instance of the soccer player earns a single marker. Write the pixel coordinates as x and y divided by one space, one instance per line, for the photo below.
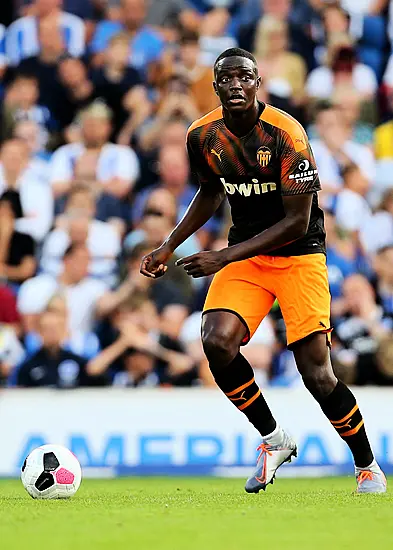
260 158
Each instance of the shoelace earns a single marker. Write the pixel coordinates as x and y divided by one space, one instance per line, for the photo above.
264 448
364 476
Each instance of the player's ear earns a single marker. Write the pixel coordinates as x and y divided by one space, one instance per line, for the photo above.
215 87
259 82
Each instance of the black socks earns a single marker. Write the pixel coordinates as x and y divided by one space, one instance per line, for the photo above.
343 412
237 381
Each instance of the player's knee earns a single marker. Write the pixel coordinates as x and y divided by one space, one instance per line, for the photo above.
220 346
313 361
319 379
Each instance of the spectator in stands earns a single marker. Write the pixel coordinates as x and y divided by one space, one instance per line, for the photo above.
146 45
169 16
24 106
140 355
83 294
177 101
327 21
335 150
83 9
176 110
171 289
281 69
348 102
159 218
162 130
383 145
11 352
88 300
78 91
44 67
214 36
335 19
107 207
117 167
30 133
376 232
277 96
152 225
18 174
79 226
174 176
341 67
204 6
360 335
22 39
52 365
352 209
365 7
383 267
85 344
9 314
200 77
341 260
284 10
17 250
122 88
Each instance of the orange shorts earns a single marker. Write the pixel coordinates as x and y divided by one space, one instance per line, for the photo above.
249 288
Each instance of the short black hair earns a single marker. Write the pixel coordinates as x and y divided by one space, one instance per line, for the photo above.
235 52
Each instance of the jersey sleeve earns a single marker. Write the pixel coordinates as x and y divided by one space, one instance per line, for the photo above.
299 172
200 171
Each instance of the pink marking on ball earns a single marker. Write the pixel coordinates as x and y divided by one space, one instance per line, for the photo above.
64 477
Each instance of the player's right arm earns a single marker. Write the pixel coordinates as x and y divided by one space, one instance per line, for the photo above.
205 203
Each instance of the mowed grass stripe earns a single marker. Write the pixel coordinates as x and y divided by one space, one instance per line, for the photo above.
203 514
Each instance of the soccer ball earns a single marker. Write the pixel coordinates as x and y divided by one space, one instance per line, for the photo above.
51 471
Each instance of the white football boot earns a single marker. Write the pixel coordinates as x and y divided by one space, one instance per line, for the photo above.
371 480
271 457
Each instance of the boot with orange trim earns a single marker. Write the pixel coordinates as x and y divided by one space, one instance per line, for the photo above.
371 479
275 449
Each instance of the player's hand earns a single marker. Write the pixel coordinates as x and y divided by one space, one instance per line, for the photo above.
204 263
153 265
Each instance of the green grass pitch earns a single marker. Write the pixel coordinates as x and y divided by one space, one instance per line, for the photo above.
198 514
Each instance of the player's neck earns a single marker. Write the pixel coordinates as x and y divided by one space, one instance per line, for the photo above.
242 123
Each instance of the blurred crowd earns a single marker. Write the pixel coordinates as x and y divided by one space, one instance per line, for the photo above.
96 97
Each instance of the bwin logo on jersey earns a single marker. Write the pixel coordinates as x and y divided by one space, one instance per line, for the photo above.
246 189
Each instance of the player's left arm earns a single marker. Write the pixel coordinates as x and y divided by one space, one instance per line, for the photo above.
299 180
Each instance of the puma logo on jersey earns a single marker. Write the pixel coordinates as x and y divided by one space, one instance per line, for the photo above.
218 155
247 189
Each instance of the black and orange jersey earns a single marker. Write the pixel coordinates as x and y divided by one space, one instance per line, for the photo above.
273 160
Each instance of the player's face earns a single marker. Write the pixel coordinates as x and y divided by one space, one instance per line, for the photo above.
237 83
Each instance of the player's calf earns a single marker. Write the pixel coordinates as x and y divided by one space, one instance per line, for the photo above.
222 334
339 405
